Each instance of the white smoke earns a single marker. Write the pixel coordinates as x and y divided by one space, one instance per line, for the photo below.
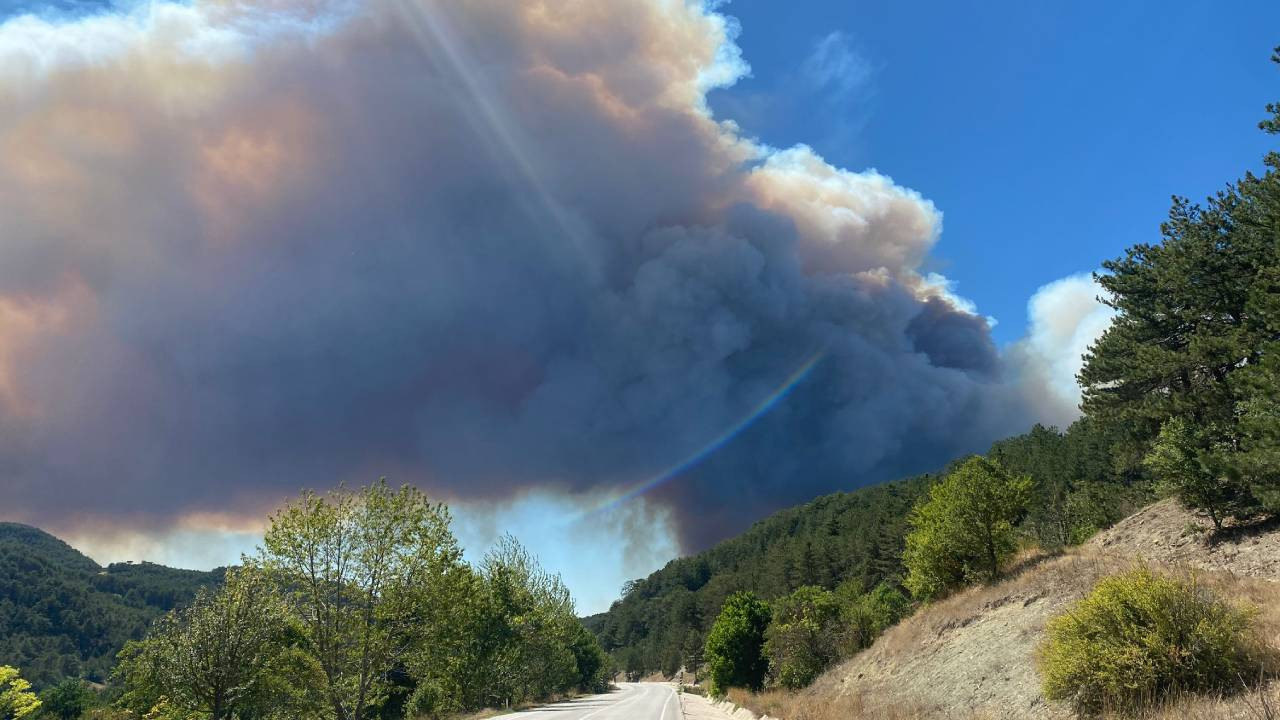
1065 319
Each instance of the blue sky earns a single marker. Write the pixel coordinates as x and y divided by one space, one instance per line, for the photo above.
1050 134
46 7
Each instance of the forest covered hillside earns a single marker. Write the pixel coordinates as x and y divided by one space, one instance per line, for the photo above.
853 541
64 616
843 536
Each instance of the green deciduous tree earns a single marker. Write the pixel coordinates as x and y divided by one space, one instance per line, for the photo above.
16 698
358 566
451 657
803 638
67 700
865 616
591 660
963 531
692 652
510 636
217 657
532 619
735 646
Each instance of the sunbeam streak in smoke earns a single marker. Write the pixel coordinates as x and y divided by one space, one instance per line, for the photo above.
439 41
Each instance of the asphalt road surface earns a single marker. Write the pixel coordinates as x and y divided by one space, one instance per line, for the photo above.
631 701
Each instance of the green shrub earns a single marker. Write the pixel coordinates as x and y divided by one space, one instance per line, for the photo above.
16 698
68 700
803 639
735 645
868 615
1139 637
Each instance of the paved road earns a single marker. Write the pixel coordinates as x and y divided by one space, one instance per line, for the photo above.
631 701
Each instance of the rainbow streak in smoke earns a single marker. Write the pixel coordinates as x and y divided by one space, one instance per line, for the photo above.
760 410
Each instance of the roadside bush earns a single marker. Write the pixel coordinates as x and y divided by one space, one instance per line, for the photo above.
803 639
734 649
1139 638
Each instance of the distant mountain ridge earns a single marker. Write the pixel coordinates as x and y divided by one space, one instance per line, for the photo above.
63 615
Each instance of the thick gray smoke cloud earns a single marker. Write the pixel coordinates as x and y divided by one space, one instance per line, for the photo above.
252 245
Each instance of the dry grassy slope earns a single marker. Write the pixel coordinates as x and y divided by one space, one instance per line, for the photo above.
973 654
1168 534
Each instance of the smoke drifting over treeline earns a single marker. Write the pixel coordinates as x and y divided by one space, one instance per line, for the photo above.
252 245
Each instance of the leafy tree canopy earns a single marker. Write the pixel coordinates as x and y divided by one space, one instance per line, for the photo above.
735 646
964 530
803 637
16 698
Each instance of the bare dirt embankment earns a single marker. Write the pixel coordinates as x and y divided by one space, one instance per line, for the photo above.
972 655
1166 533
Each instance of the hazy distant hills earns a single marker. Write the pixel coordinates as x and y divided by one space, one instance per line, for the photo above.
63 615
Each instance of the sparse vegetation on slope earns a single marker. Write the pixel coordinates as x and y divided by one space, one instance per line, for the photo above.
973 654
854 541
853 537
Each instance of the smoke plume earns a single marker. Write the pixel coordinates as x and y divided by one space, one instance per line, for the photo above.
248 246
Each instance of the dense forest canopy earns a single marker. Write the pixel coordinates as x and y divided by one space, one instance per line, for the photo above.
62 615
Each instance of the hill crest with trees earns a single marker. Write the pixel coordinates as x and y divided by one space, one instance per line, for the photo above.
63 615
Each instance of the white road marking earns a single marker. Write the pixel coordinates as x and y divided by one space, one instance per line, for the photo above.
667 704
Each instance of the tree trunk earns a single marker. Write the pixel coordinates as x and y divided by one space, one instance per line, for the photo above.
991 554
